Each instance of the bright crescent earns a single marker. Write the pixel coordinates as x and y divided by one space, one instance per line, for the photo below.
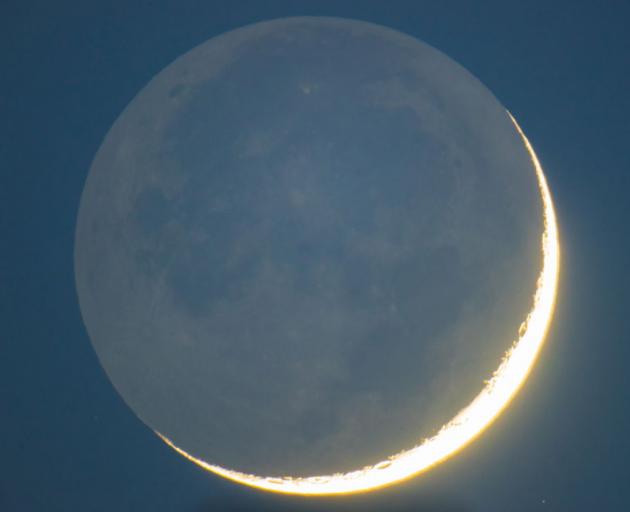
471 421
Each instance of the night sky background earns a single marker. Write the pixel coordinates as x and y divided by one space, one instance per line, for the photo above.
67 70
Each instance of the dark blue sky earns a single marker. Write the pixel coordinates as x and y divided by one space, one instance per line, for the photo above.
68 68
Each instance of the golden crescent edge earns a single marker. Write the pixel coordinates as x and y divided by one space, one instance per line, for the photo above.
471 421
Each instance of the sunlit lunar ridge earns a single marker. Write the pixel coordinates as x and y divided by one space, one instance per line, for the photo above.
473 419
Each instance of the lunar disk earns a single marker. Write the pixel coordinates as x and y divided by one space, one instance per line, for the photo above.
305 247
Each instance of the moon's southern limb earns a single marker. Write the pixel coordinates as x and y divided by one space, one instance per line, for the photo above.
304 245
472 420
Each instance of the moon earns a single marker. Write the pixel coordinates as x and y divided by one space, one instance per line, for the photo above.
316 246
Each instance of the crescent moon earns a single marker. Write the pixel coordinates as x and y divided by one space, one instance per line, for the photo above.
470 422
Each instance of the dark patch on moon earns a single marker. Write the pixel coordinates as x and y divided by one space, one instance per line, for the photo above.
305 244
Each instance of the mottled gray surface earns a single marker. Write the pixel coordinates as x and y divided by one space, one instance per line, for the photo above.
305 244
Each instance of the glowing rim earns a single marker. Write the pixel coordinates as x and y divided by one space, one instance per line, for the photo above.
472 420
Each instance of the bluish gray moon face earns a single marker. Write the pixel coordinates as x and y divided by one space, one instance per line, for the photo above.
305 244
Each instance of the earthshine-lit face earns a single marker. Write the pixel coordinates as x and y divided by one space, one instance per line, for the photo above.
304 248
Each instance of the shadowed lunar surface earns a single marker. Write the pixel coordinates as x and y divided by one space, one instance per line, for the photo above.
305 244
